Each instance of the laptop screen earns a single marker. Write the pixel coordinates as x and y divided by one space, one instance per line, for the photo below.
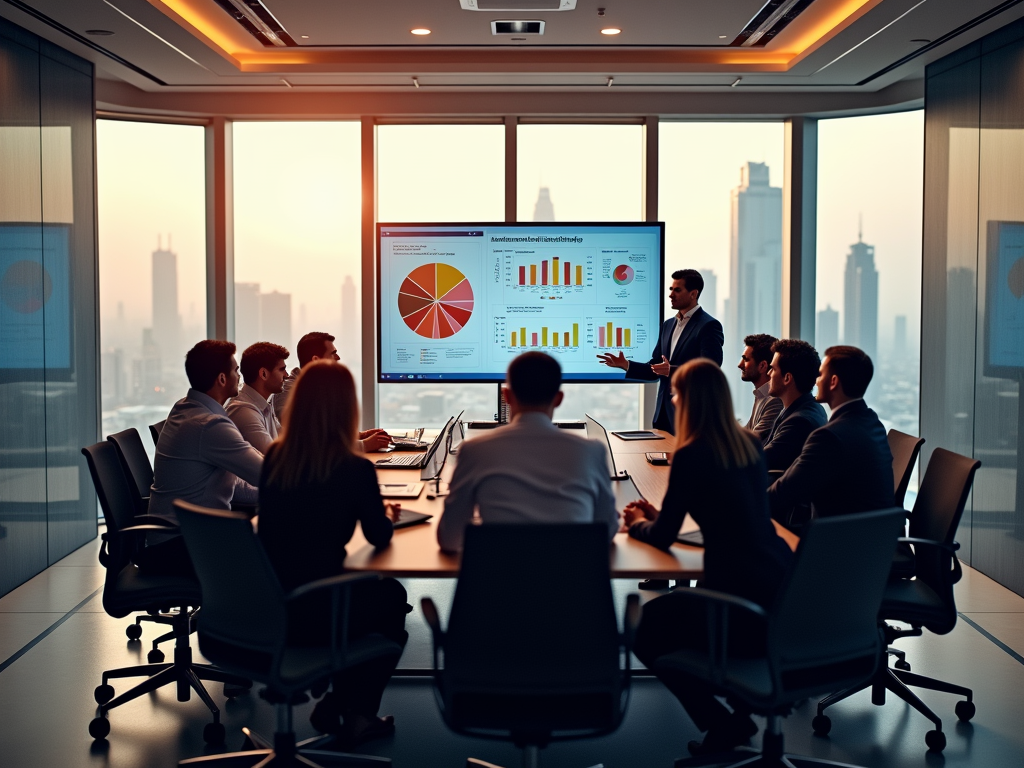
596 432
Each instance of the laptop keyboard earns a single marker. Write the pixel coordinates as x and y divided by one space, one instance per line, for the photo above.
412 460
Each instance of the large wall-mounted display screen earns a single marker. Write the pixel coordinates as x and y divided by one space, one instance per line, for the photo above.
1004 301
456 302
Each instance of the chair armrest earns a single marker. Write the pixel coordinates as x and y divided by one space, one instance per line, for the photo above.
951 548
335 585
718 606
149 527
153 520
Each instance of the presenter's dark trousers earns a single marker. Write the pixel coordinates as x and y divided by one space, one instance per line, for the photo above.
672 623
377 607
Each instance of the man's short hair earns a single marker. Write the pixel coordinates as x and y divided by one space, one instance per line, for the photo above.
761 344
692 278
853 367
206 361
262 354
534 378
799 359
312 345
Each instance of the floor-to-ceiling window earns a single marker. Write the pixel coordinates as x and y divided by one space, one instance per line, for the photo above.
436 173
584 173
152 266
297 194
870 181
720 196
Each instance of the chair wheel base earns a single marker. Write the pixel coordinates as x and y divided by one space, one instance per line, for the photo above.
821 725
99 728
133 631
214 733
105 693
965 710
936 741
156 656
904 665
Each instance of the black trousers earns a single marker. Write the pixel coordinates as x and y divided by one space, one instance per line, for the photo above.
671 623
168 558
376 607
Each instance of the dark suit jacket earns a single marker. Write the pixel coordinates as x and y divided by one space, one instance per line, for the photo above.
791 430
743 555
702 337
845 467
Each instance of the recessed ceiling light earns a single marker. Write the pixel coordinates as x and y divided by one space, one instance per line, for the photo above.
99 32
305 37
723 37
611 31
420 31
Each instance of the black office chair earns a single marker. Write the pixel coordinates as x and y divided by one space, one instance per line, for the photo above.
127 591
905 449
526 663
822 631
244 628
926 601
137 468
155 430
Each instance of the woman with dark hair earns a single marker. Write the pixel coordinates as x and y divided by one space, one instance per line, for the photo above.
315 486
718 476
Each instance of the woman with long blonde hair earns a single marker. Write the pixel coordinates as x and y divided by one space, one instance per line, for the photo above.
718 477
316 484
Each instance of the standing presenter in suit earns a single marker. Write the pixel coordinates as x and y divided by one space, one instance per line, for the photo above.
692 333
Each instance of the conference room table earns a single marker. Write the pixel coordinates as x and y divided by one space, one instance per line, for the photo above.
414 553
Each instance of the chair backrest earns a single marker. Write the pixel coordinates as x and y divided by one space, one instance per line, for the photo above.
113 488
940 505
243 621
823 631
136 466
155 430
905 449
533 624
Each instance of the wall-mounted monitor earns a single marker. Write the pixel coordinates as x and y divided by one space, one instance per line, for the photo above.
1004 301
456 302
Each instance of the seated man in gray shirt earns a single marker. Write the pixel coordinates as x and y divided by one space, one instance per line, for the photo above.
529 471
755 361
201 456
264 372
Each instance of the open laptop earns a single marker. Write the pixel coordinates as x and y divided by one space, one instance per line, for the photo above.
437 454
417 460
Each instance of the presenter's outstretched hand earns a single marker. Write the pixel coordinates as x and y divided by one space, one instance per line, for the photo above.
614 361
393 509
374 439
664 368
640 509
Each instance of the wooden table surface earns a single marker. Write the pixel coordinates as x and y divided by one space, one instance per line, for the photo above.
413 551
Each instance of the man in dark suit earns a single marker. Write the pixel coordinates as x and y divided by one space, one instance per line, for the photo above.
845 466
791 376
692 333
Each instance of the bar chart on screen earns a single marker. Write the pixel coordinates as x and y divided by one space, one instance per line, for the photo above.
546 275
617 333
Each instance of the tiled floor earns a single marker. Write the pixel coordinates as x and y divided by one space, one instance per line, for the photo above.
55 641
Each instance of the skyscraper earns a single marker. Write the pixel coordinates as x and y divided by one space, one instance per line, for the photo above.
826 334
247 315
544 209
166 320
860 299
709 296
755 259
276 318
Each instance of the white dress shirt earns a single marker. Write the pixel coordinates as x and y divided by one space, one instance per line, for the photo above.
682 318
254 417
528 472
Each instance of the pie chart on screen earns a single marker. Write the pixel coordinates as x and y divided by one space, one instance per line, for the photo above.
435 300
623 274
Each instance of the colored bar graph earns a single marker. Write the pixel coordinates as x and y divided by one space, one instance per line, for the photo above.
554 271
579 275
568 271
544 273
544 337
533 274
610 335
627 338
522 337
618 337
567 337
514 338
600 337
534 335
554 340
522 275
575 334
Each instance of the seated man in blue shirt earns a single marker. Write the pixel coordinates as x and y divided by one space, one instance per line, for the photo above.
529 471
201 456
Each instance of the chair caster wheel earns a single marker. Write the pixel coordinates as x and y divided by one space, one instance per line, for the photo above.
156 656
99 728
904 665
213 734
134 631
231 691
821 725
105 693
965 710
936 741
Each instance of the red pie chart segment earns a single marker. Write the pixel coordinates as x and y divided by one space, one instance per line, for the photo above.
436 300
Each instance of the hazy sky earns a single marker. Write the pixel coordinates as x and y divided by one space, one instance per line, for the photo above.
297 202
